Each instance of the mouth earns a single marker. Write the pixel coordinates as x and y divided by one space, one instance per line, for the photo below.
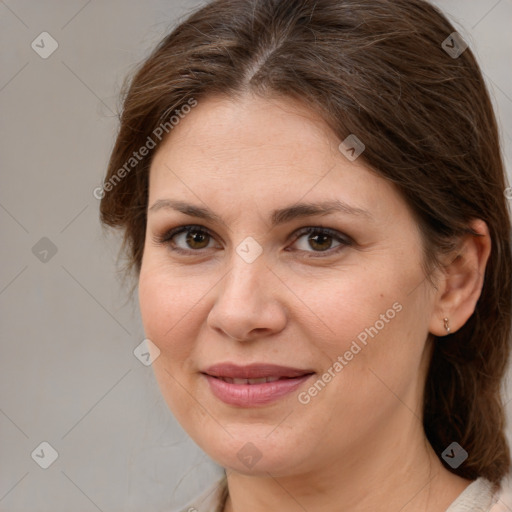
261 380
253 385
254 373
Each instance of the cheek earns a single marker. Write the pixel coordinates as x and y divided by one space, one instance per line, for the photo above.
154 305
347 302
370 319
166 316
166 310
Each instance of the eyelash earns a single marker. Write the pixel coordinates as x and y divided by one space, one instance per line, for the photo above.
166 238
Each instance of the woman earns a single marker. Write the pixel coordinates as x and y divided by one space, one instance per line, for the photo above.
312 199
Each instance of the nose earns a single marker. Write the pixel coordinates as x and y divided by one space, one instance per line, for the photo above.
249 302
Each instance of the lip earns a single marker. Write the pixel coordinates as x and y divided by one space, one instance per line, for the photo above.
254 371
252 395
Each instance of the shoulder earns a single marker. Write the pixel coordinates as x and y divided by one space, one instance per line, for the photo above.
479 496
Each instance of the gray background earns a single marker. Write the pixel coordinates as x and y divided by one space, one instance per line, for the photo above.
68 375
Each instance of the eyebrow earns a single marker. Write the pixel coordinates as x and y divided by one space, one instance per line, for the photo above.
279 216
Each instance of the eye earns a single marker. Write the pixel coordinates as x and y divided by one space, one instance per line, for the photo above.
321 239
191 238
194 238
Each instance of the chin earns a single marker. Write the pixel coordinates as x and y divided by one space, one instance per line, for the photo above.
255 455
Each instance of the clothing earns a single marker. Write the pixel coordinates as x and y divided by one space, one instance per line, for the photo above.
477 497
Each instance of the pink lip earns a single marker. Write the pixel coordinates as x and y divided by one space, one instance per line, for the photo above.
254 371
251 395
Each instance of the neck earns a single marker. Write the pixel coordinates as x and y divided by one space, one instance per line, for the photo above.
397 471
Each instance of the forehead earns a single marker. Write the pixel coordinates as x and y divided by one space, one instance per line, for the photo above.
251 128
257 150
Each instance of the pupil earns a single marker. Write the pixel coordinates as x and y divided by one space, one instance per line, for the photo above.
195 238
315 242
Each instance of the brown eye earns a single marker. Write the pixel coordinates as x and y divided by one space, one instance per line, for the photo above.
196 239
185 239
321 240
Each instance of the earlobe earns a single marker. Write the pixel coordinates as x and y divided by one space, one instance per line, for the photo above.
461 283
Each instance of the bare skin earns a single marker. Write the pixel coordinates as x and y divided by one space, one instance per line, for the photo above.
358 445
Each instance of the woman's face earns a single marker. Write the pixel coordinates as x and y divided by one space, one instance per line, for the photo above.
349 308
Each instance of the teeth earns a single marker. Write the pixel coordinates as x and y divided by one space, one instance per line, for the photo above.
261 380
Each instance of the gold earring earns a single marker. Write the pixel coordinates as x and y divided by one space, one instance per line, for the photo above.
446 326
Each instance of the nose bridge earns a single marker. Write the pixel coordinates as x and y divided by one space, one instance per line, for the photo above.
245 301
248 272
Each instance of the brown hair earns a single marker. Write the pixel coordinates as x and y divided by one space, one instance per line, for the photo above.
377 69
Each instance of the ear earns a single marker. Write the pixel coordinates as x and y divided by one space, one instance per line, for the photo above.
461 281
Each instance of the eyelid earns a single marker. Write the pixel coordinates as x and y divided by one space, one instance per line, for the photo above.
168 234
337 235
342 238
